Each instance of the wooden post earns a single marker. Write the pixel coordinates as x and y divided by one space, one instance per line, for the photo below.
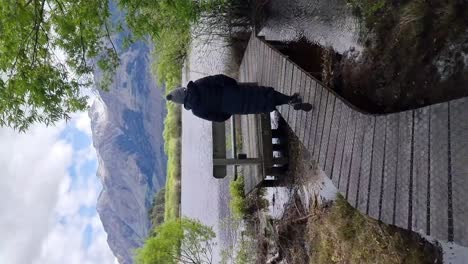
226 162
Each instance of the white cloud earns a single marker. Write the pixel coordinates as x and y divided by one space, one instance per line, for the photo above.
83 123
48 216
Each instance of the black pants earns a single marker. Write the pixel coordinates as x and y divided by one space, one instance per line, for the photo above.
280 98
261 99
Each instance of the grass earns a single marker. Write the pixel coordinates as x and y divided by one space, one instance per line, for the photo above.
411 20
172 146
367 9
245 207
342 235
238 202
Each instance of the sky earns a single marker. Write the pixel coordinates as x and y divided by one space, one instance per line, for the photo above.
48 194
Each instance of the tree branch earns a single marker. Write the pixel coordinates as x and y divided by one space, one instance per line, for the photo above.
83 48
38 21
27 3
60 5
109 37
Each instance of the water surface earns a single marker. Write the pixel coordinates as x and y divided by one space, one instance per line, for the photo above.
324 22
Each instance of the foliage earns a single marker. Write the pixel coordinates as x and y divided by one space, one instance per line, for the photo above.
167 23
156 213
46 52
171 134
238 201
178 241
241 253
368 9
243 206
245 254
49 50
343 235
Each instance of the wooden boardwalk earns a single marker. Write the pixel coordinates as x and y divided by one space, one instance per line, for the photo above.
409 169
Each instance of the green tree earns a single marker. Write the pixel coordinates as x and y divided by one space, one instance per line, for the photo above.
178 241
47 52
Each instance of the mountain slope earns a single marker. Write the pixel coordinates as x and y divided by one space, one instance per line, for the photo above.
127 125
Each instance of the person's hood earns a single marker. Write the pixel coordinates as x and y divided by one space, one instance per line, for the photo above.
178 95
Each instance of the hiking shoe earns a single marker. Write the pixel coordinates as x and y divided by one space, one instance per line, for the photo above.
303 106
295 99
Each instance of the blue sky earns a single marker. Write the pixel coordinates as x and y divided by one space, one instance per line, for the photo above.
48 194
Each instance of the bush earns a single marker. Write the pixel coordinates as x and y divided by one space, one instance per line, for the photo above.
156 213
178 241
238 201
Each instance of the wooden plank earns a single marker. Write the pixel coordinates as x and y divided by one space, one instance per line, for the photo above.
353 186
258 170
270 69
294 88
297 124
366 158
376 174
257 61
266 142
277 74
281 82
459 168
287 86
274 70
260 58
320 123
402 201
249 175
315 115
251 58
421 170
310 128
326 131
335 173
252 153
250 71
333 138
346 156
271 72
248 68
264 66
243 67
267 66
254 51
306 95
390 171
438 150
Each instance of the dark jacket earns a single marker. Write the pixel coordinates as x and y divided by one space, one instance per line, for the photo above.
217 97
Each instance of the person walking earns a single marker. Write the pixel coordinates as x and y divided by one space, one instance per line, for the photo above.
217 97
